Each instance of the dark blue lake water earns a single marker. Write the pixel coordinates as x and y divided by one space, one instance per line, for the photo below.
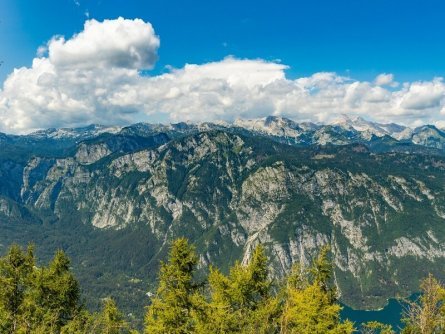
391 314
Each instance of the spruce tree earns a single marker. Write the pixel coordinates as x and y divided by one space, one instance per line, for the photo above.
16 269
310 305
45 300
241 302
110 320
177 298
53 297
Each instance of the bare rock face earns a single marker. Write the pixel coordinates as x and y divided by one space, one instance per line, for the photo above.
88 154
6 208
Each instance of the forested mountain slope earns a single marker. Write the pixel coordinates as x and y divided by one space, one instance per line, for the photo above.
114 199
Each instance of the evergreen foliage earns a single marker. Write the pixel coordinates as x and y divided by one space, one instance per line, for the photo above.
177 296
310 305
427 314
109 321
242 301
16 271
52 298
374 327
46 300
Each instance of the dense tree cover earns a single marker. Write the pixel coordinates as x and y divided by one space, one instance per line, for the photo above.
177 296
46 299
244 301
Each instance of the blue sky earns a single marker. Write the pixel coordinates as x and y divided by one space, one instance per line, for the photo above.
364 37
119 62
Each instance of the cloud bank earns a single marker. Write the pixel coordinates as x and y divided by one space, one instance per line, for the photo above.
94 77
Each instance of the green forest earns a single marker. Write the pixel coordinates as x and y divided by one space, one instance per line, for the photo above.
47 299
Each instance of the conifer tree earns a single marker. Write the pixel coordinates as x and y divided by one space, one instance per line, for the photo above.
45 300
82 323
16 270
241 302
427 314
177 298
111 320
310 301
375 327
53 297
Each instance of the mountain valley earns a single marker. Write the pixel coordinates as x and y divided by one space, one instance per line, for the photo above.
115 197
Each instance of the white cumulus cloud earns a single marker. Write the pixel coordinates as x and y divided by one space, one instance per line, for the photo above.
384 79
424 95
111 43
94 77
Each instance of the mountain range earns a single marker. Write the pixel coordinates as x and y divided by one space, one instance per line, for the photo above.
114 197
339 132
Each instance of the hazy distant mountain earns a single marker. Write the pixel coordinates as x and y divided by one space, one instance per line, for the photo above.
345 130
342 131
77 133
